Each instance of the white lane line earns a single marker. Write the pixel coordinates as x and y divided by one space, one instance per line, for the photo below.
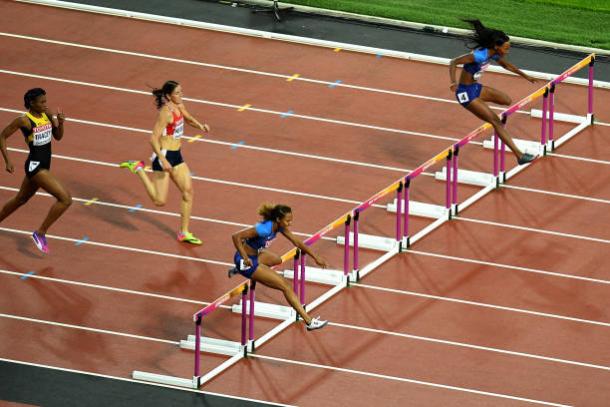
124 379
88 329
559 194
402 379
535 230
158 212
231 106
225 67
208 140
469 346
481 304
107 288
585 159
248 71
509 267
214 180
125 248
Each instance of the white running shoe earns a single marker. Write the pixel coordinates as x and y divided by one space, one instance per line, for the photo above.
316 323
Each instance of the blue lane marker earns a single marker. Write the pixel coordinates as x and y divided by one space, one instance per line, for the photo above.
83 240
26 275
287 114
137 207
334 84
234 146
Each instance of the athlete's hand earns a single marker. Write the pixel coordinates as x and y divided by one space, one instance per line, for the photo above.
61 117
167 167
321 262
453 87
10 167
205 128
247 262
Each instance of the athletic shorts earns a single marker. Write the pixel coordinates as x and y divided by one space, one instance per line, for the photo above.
33 165
246 272
467 93
174 157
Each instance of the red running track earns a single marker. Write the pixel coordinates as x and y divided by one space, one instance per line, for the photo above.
475 314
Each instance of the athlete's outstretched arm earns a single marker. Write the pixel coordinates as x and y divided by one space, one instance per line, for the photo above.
304 248
510 67
6 133
191 120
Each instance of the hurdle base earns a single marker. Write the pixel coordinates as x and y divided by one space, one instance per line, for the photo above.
212 345
560 117
266 310
164 379
480 179
318 275
370 242
421 209
527 146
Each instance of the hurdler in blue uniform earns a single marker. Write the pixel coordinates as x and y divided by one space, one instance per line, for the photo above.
39 127
491 45
253 259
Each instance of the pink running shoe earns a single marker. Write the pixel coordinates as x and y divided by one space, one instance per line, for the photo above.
41 242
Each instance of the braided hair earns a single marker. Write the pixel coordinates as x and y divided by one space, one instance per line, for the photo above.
484 37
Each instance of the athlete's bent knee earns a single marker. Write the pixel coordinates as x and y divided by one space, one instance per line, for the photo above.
65 200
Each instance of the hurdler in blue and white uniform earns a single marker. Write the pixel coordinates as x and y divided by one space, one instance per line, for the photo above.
39 127
253 260
491 45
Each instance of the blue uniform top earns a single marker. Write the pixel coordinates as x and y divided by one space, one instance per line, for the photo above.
265 235
481 60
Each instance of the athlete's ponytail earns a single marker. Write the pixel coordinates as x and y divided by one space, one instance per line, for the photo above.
273 212
31 96
484 37
162 95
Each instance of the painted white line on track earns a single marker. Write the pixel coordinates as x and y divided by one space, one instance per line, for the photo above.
100 202
107 288
585 159
252 109
284 77
224 67
241 146
125 248
402 379
124 379
469 346
88 329
559 194
535 230
215 180
482 304
508 266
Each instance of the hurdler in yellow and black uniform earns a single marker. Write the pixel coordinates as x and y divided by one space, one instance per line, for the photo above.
39 142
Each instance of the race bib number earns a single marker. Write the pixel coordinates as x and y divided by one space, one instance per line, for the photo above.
179 129
463 97
33 165
42 135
